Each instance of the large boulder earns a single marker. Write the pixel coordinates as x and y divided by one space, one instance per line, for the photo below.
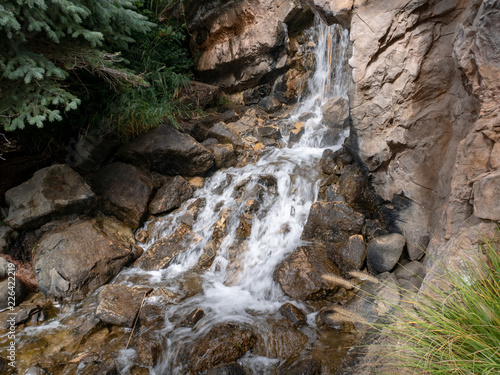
74 260
331 222
51 193
301 273
166 150
383 252
125 191
224 343
119 304
171 195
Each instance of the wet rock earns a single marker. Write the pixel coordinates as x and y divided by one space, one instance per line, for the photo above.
331 222
13 288
301 367
336 113
245 228
300 274
194 317
162 252
75 260
332 162
51 193
167 151
306 116
119 305
196 182
252 206
125 191
148 348
293 314
150 315
486 197
270 104
229 369
142 236
270 131
224 155
171 195
354 254
191 214
383 253
329 317
281 340
225 134
297 132
410 275
223 344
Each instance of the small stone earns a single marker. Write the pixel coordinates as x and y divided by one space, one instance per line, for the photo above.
142 236
194 317
354 254
293 314
383 252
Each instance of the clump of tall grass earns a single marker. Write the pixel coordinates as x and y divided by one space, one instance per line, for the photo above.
451 330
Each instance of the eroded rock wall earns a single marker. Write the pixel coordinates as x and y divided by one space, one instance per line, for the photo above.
425 84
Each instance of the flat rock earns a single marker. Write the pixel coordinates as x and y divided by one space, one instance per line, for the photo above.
119 305
300 273
383 252
125 191
223 344
168 151
175 191
51 193
75 260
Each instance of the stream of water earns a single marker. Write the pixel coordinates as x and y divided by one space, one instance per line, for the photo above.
238 287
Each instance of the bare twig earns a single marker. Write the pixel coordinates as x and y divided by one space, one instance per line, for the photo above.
136 319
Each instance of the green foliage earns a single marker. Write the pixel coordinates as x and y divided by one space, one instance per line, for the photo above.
454 328
43 42
162 59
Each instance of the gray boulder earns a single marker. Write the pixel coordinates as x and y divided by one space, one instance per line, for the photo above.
51 193
125 190
73 261
168 151
383 252
171 195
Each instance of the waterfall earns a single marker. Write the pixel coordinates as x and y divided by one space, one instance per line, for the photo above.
279 190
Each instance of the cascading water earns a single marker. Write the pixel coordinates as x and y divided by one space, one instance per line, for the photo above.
274 196
242 224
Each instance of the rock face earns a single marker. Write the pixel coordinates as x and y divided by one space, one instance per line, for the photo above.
167 151
52 192
238 44
125 190
75 260
423 106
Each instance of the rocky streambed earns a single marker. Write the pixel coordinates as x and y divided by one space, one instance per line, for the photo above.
229 246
